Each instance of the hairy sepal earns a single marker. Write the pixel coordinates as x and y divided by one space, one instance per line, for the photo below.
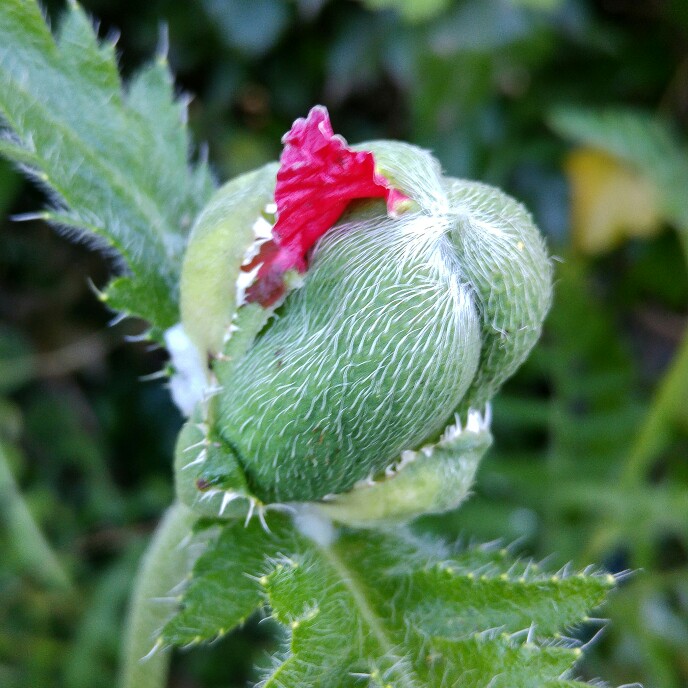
368 358
208 478
434 479
222 235
501 253
504 259
400 322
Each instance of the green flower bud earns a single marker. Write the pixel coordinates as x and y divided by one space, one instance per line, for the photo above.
400 324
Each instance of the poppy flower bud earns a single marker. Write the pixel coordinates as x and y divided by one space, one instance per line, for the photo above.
404 324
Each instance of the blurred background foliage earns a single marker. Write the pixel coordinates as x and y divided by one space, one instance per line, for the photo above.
577 107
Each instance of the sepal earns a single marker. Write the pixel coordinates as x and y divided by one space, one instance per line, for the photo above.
209 479
220 242
434 479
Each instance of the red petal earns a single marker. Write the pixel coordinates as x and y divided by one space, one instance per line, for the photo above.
318 176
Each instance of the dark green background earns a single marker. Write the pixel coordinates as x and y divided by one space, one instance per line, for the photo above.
90 445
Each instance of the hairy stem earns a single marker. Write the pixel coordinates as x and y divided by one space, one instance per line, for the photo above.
164 565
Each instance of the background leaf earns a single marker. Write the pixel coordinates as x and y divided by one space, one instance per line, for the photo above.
413 11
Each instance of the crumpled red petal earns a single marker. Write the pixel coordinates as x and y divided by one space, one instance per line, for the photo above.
318 176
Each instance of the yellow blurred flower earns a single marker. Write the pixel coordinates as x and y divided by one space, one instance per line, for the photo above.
610 201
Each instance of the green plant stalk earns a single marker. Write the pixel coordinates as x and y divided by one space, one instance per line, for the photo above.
31 547
652 435
165 564
649 441
91 643
683 240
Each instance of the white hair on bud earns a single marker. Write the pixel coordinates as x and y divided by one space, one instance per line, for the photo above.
504 258
401 321
382 341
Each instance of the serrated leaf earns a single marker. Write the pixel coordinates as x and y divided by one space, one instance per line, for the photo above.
114 159
134 297
478 662
388 608
225 589
455 600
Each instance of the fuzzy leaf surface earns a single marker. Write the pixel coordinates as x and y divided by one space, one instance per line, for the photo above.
114 158
386 608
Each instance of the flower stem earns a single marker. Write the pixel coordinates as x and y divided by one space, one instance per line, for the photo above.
164 565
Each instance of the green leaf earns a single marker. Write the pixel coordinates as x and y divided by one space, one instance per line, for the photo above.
233 564
17 363
132 296
412 10
28 549
388 607
114 159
